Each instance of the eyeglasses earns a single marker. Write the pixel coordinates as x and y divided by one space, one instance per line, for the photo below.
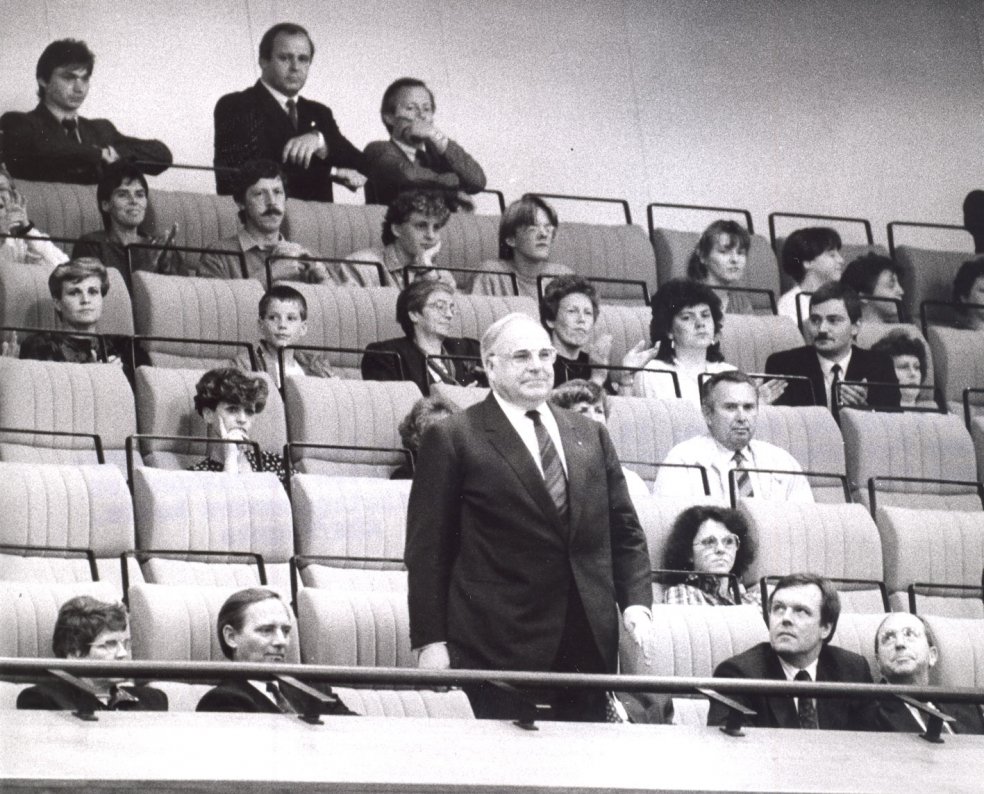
523 358
730 543
111 646
443 306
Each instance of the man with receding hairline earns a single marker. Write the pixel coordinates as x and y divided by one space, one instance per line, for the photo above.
522 542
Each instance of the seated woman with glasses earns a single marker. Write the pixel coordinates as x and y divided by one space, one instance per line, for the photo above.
719 261
712 542
87 628
428 353
228 400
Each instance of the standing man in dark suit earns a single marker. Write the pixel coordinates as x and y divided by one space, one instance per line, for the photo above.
271 121
522 543
906 650
834 323
254 626
53 143
803 613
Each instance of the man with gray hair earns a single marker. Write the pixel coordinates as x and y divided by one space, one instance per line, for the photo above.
730 403
521 536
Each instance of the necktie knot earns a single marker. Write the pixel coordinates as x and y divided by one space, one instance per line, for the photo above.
738 458
535 416
836 371
803 675
71 127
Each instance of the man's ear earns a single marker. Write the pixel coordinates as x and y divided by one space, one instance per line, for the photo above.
229 635
826 629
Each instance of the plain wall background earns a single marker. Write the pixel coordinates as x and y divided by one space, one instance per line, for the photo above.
834 106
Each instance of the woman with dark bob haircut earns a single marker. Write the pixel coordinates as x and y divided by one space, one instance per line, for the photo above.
712 542
968 287
228 400
425 310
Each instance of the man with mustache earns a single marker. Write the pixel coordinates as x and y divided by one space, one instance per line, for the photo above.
803 613
833 324
730 405
523 547
261 197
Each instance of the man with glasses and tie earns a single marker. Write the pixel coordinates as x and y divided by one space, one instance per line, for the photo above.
803 613
833 324
729 402
270 120
87 628
521 536
906 650
53 143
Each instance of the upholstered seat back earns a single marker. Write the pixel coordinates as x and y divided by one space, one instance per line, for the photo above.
452 705
609 250
932 273
959 357
477 312
62 210
748 340
628 326
644 429
333 230
959 642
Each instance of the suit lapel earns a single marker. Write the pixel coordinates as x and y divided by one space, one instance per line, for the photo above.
272 110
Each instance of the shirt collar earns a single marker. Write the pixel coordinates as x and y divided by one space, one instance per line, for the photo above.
826 364
516 413
281 98
791 671
247 242
729 454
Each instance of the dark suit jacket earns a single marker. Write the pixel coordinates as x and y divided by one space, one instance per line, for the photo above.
835 664
391 171
384 367
241 696
876 367
894 715
56 695
251 125
490 562
36 147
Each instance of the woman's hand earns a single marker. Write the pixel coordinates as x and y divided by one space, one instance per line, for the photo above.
771 390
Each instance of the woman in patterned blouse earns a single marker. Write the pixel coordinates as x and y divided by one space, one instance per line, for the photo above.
228 400
712 542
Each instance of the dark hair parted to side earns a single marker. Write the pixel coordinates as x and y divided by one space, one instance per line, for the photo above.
281 292
414 423
82 619
678 554
76 270
388 105
412 299
963 282
288 29
805 245
672 298
728 376
838 291
519 214
577 391
114 175
63 52
233 612
232 386
899 343
430 203
559 288
737 235
862 273
830 603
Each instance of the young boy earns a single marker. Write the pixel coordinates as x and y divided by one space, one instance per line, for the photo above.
283 322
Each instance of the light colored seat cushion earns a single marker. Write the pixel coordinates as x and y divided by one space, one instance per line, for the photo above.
403 703
961 646
644 429
748 340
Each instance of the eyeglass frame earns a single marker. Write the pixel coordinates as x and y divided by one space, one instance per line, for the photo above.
525 357
729 543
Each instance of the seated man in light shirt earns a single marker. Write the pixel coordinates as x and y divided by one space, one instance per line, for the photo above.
730 403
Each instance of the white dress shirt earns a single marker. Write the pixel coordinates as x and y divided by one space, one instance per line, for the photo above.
827 367
791 672
523 425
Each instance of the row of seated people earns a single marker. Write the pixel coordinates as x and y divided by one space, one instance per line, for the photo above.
255 626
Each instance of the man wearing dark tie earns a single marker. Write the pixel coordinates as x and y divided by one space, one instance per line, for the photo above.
833 324
272 121
53 143
523 546
803 613
906 650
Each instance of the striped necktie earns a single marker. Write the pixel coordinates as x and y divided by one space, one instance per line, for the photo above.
807 706
743 481
553 469
292 112
278 697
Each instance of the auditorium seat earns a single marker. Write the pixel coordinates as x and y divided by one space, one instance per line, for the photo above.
929 446
856 632
871 332
810 435
351 517
166 407
944 547
351 413
63 506
618 251
213 512
628 325
467 240
977 434
26 302
222 310
93 399
959 642
453 704
62 210
834 540
460 396
932 272
748 340
477 312
645 429
959 357
333 230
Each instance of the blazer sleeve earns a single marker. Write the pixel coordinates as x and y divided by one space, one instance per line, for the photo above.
882 370
34 152
37 698
225 699
342 153
717 714
128 148
391 171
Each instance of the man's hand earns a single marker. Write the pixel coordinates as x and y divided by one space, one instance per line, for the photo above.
638 622
349 177
301 149
288 268
434 657
15 213
851 394
109 155
771 390
426 256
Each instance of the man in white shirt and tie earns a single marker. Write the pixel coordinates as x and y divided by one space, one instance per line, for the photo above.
730 404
